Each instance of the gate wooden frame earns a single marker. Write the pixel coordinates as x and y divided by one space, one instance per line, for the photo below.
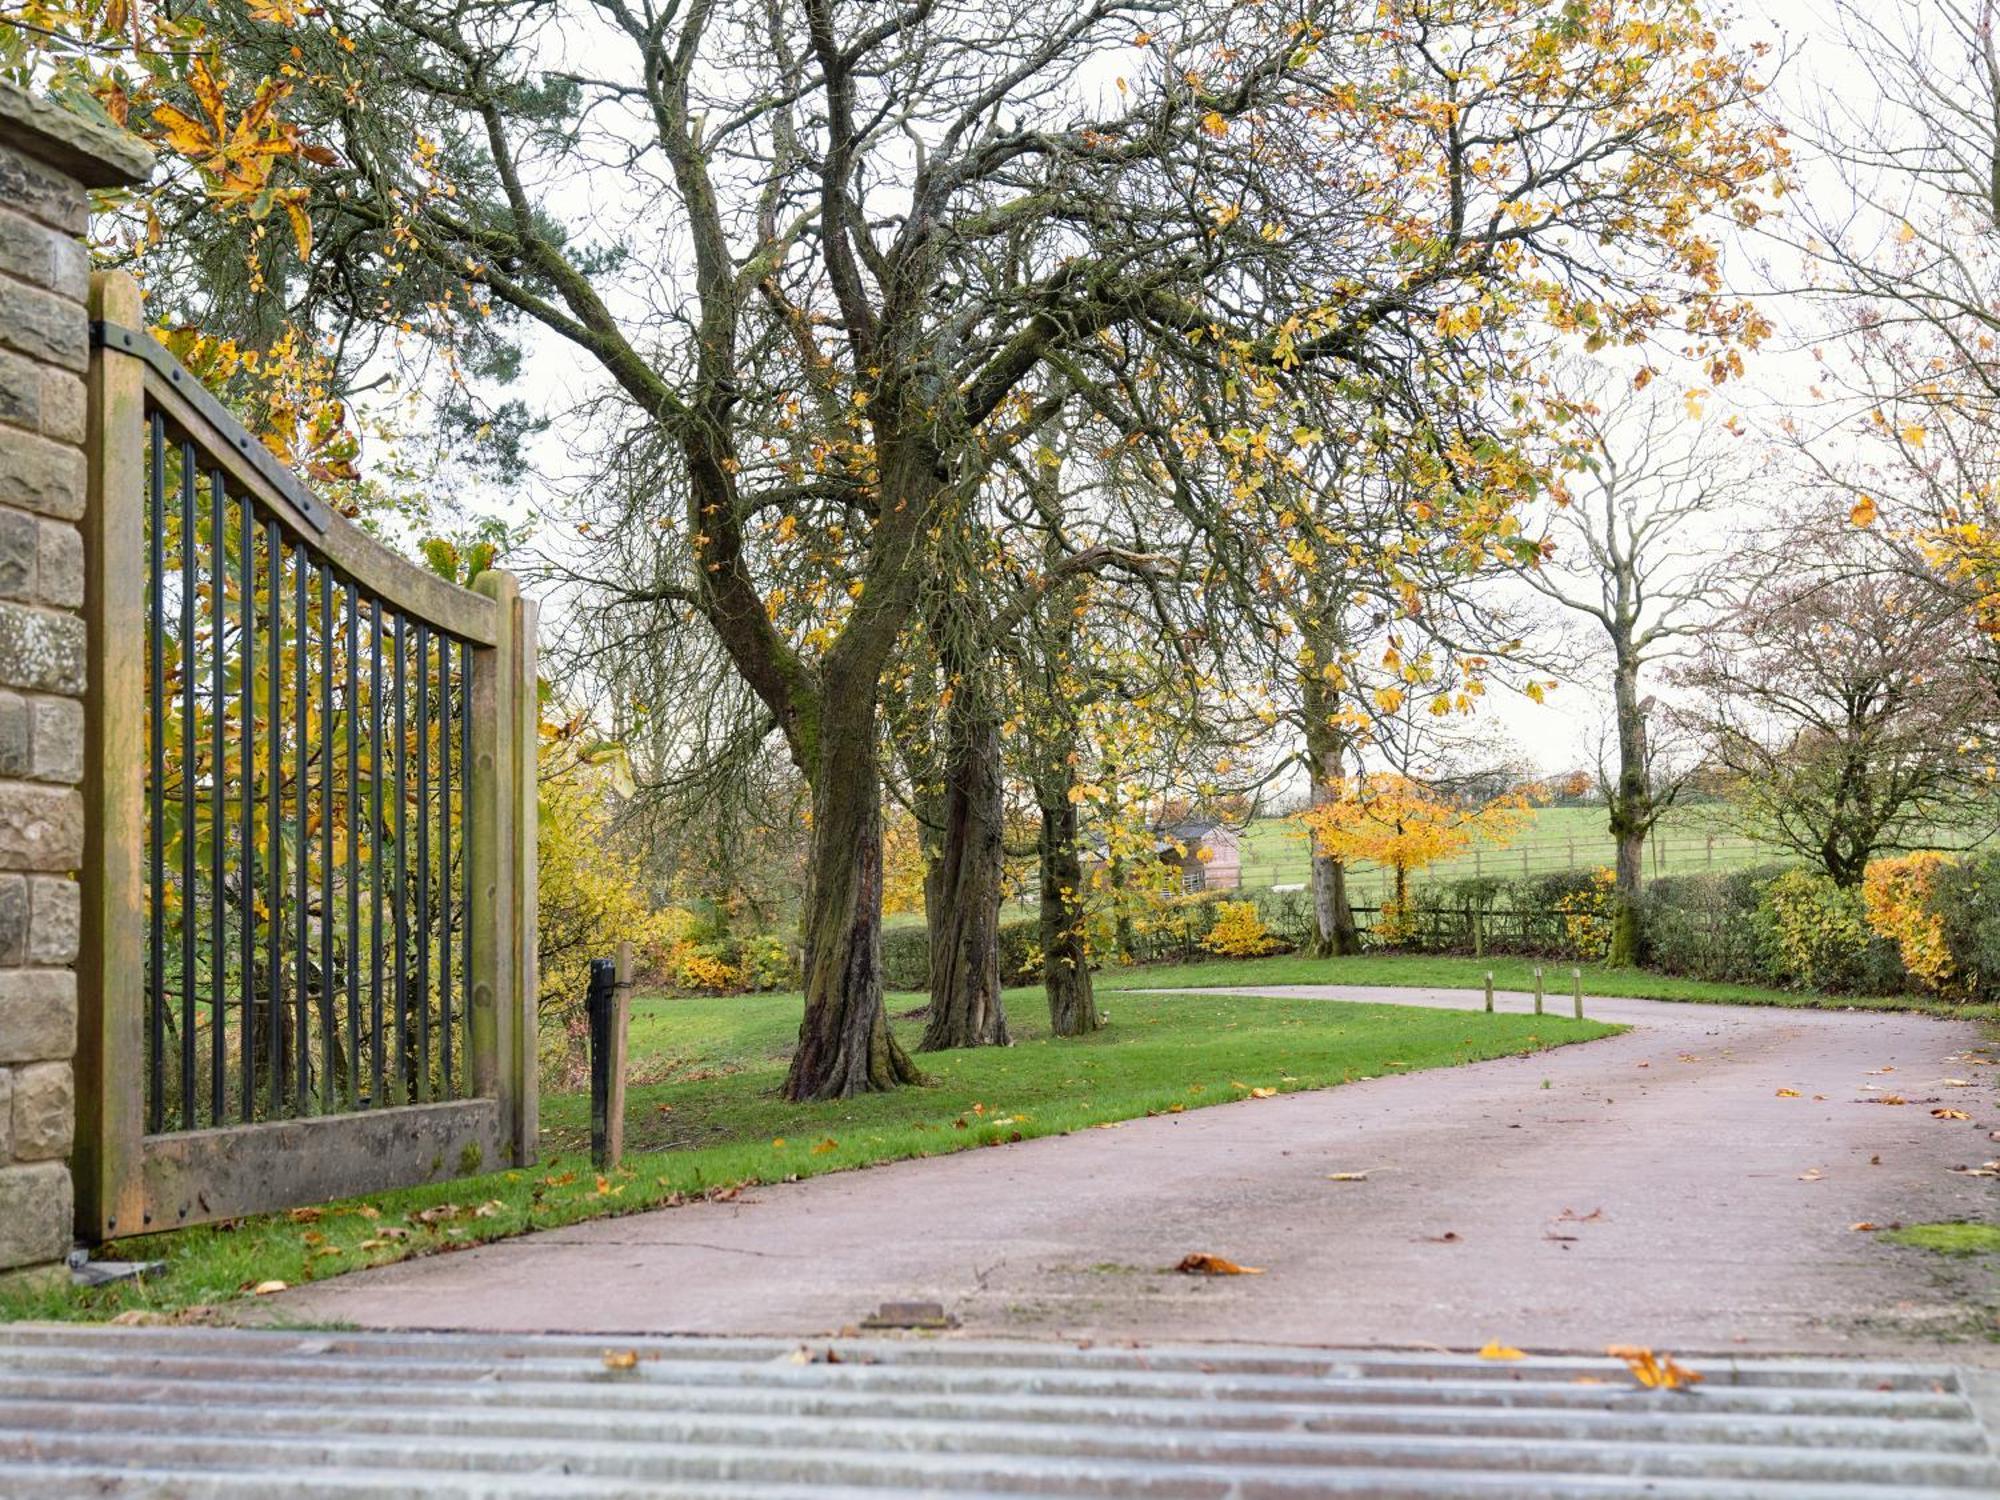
127 1181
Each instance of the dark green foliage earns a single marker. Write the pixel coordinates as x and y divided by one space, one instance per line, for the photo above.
906 958
906 954
1705 926
1966 894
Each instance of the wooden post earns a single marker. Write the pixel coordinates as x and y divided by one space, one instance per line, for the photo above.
621 1024
111 960
491 1026
524 1063
1478 933
1538 989
1576 981
1489 992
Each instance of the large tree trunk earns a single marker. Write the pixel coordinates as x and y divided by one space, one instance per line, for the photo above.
962 890
1631 811
1065 961
844 1043
1335 934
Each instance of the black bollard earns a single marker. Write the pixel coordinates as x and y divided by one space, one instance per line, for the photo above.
601 1006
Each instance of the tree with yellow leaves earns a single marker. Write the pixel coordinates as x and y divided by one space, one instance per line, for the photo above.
1396 821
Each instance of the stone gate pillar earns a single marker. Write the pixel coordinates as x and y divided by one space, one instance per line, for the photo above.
49 158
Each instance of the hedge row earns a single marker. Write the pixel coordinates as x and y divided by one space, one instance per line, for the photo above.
1769 925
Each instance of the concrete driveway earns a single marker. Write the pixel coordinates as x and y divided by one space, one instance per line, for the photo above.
1690 1184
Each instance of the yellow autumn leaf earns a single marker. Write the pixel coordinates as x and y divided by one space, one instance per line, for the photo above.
1654 1371
1494 1349
1911 434
266 1288
1864 512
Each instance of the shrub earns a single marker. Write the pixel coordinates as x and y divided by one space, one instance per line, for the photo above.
906 957
1896 894
1588 913
1966 896
1705 926
766 962
1288 916
1815 934
1238 932
703 965
906 954
1020 943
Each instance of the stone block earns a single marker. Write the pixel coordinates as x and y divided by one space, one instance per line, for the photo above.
44 1111
58 564
37 1016
41 827
42 476
69 267
39 191
41 650
37 1213
62 405
13 919
92 153
17 745
20 544
27 249
41 323
56 739
20 391
55 910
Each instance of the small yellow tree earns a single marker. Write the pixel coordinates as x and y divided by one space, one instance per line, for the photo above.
1398 822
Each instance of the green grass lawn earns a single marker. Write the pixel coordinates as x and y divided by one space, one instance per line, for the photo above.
1444 971
704 1118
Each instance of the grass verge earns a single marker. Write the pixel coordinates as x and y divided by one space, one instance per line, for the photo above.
1949 1239
1445 971
704 1119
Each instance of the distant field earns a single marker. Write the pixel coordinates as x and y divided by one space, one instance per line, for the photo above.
1687 841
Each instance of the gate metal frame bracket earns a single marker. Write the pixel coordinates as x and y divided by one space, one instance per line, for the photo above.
122 340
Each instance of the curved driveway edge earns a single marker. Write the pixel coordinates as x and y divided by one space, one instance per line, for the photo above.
1689 1184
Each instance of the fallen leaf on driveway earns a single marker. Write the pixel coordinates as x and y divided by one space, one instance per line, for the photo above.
1496 1350
1811 1174
266 1288
1989 1169
1949 1114
1881 1070
1864 1226
1449 1237
1654 1371
1788 1093
1886 1099
1347 1177
1202 1263
621 1359
1262 1093
1571 1216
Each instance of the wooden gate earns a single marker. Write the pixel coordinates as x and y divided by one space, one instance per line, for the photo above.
308 936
